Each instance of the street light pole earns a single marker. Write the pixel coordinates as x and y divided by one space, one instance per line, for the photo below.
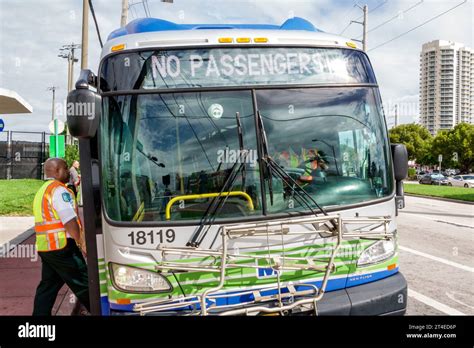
53 89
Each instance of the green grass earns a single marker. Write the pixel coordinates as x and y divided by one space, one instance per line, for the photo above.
459 193
16 197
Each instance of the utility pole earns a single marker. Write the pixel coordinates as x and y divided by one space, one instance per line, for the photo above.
85 34
68 52
123 20
365 25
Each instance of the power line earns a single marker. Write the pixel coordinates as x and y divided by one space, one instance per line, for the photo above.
395 17
91 6
346 14
372 10
375 8
419 26
147 8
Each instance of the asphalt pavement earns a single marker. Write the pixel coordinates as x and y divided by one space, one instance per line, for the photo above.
437 256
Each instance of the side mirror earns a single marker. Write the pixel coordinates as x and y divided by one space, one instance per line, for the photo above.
84 107
400 161
400 168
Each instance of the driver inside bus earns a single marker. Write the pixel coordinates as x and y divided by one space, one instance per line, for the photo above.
314 166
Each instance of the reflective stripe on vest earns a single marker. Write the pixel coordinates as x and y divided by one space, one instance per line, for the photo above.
50 232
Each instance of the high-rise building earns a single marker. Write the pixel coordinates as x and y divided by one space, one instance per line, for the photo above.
446 85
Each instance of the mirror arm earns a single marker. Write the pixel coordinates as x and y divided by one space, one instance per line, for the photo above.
86 78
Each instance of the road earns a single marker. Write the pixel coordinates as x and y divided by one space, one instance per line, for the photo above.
437 256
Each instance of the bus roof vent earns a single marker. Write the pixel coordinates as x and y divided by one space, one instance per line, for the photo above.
146 25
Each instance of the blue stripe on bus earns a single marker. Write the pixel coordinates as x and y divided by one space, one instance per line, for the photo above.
146 25
333 285
355 280
105 305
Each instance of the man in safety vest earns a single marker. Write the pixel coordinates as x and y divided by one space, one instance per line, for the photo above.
58 233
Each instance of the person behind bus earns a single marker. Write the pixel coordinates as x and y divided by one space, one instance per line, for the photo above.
58 234
74 178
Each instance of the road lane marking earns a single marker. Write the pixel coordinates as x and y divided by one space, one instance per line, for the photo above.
433 303
454 224
452 297
439 259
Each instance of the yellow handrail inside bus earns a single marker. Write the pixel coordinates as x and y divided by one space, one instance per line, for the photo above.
206 195
140 214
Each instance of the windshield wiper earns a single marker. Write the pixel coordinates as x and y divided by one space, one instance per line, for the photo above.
240 133
219 201
273 167
267 169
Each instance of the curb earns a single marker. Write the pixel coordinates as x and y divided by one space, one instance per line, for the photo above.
440 199
11 244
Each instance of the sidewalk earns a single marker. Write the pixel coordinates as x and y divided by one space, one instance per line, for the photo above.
12 227
20 271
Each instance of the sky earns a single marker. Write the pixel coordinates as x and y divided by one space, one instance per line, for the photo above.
32 32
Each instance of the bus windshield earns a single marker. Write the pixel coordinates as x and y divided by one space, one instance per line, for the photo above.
166 155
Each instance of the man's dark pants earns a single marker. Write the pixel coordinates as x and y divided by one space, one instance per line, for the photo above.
59 267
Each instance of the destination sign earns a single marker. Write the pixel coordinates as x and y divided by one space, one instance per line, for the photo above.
231 67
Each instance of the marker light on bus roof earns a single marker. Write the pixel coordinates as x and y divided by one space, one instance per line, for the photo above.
226 40
351 44
260 40
117 48
243 40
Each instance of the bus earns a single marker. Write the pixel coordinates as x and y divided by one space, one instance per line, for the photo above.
237 170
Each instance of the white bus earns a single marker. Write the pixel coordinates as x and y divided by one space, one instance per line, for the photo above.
237 170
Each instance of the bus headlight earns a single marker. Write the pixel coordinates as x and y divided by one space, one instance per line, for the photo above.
130 279
377 252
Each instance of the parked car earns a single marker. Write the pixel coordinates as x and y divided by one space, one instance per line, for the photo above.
434 179
466 181
420 174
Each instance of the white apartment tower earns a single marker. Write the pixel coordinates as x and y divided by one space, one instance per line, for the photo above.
446 85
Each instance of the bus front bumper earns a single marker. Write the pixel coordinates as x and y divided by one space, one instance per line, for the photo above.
386 296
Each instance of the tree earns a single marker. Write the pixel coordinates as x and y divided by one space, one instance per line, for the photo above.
416 138
460 141
72 154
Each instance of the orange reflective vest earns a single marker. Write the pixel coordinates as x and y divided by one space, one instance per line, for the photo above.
50 232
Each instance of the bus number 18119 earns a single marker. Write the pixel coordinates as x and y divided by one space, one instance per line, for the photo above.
142 237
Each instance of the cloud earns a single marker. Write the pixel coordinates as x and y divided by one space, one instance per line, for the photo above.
31 33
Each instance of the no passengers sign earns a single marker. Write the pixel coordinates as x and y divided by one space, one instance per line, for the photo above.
251 66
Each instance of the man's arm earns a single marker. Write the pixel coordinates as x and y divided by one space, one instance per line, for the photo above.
72 227
64 205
